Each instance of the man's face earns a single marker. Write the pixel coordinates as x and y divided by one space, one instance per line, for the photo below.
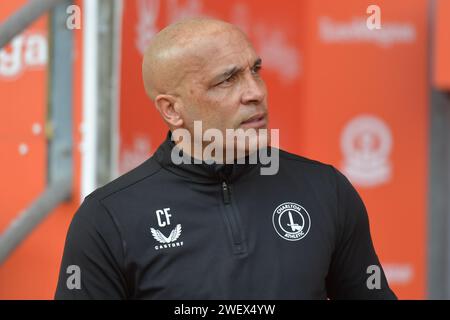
222 86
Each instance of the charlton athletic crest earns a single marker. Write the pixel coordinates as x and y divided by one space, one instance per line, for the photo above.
291 221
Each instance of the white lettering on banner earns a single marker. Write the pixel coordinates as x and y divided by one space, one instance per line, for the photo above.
148 12
176 11
271 42
277 53
356 31
132 157
366 144
240 17
24 51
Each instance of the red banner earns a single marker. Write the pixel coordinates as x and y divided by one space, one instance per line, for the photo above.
365 110
441 75
274 31
31 271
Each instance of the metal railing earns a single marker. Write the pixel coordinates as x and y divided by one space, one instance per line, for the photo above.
59 184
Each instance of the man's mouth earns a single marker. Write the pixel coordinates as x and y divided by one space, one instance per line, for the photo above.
257 121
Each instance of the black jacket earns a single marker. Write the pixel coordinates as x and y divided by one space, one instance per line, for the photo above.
166 231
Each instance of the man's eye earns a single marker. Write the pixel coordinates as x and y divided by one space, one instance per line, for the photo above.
256 69
227 80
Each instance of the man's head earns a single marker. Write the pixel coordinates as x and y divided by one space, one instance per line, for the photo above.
205 69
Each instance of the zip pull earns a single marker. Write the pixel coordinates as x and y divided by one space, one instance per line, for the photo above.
226 192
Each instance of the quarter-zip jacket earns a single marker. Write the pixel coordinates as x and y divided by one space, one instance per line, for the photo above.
199 231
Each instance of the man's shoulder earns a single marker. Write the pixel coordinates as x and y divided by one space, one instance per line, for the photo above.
142 172
295 159
301 166
319 171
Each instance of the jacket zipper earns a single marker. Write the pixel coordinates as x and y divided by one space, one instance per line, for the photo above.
226 193
230 214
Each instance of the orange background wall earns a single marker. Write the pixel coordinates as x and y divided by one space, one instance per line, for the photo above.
31 270
345 78
316 88
441 49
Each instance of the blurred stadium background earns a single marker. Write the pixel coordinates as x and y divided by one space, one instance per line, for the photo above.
374 103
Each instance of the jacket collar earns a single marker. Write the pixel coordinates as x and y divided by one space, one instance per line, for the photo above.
202 172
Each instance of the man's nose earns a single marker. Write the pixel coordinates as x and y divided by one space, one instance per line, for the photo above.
254 90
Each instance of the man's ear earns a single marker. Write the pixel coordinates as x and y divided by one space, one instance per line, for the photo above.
167 107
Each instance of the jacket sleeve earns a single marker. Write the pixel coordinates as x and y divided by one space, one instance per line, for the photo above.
355 271
93 258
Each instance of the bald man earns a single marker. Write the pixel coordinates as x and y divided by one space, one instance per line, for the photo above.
202 222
